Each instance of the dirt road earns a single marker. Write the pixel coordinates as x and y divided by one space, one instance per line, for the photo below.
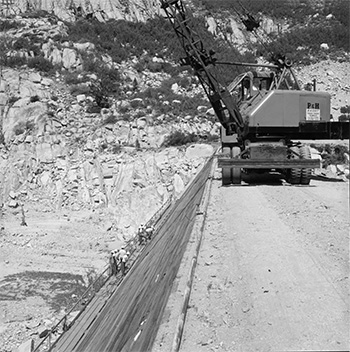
272 273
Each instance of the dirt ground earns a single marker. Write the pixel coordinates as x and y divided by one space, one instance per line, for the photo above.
272 273
46 266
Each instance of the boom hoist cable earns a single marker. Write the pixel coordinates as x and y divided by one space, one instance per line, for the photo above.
253 25
203 64
282 66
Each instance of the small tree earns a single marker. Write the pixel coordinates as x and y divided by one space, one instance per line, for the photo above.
345 110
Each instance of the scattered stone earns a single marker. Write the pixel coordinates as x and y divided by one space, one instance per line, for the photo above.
13 203
109 226
29 139
81 98
199 151
32 324
206 343
44 333
245 309
27 346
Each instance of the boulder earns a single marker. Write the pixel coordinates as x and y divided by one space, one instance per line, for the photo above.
55 56
199 151
34 77
202 109
21 118
70 59
13 203
178 184
81 98
210 112
84 46
27 346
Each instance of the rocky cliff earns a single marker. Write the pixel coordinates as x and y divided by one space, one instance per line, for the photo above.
131 10
58 156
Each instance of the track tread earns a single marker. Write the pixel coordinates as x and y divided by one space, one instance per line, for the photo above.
236 172
305 176
294 175
226 171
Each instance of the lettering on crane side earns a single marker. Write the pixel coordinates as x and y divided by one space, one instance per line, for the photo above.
313 112
313 105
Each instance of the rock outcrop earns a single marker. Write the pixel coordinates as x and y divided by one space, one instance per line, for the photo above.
133 10
59 156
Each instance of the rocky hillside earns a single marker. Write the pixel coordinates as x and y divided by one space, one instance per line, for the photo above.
58 156
332 77
65 148
131 10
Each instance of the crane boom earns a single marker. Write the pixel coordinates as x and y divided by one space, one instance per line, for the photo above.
203 64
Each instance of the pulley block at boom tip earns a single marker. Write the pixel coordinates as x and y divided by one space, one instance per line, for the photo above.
203 63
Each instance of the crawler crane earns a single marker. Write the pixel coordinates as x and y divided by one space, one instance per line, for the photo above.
260 112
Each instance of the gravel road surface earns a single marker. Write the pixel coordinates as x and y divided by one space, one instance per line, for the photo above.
272 273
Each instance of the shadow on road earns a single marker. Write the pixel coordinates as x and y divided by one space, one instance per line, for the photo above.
276 179
262 178
326 178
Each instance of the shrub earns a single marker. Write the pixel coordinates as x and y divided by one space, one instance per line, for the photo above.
14 61
332 154
5 25
90 62
305 30
29 43
93 109
109 80
21 43
109 83
121 39
343 118
184 82
34 98
100 95
345 109
22 127
72 78
112 147
111 119
124 109
116 148
37 14
212 138
12 100
77 89
40 63
178 138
